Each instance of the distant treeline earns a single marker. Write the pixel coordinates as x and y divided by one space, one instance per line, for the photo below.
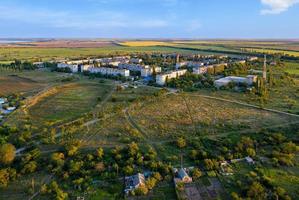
284 57
18 65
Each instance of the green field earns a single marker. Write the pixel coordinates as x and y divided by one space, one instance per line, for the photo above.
176 115
292 68
68 102
35 54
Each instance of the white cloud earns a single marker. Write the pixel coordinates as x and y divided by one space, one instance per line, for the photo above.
277 6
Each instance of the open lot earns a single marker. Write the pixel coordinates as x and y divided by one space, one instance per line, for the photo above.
188 115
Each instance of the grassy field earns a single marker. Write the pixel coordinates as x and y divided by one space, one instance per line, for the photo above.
34 54
18 189
16 84
7 54
114 129
292 68
143 43
27 82
67 102
271 51
192 116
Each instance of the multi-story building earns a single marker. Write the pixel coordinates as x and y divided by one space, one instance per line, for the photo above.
249 80
73 67
135 60
148 71
162 78
110 71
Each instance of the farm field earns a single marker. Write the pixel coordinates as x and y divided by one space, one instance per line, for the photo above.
66 102
46 54
273 51
189 115
292 68
27 82
15 84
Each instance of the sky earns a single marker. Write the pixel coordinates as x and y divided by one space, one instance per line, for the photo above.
200 19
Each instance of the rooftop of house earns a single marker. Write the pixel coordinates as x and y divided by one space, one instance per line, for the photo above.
182 173
135 180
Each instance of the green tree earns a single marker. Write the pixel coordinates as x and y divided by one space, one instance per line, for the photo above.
100 167
4 178
141 191
7 153
128 170
151 183
256 191
250 152
57 159
100 153
133 149
181 142
196 173
29 167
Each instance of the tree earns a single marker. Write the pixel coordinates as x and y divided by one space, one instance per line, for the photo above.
57 159
256 191
196 173
100 153
193 154
4 178
151 183
29 167
133 149
7 153
250 152
289 147
75 166
142 190
100 167
181 142
157 176
235 196
210 164
128 170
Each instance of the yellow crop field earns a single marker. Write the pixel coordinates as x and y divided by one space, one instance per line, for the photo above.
270 51
143 43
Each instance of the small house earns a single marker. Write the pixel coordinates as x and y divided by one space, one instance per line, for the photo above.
134 182
2 100
249 160
182 177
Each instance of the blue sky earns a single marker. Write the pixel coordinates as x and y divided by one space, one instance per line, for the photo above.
149 18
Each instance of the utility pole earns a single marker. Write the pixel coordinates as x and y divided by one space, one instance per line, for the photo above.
178 58
181 160
265 69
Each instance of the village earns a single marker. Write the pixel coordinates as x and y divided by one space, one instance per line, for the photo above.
150 128
134 68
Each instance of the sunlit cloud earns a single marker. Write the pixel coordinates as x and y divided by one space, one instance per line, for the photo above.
277 6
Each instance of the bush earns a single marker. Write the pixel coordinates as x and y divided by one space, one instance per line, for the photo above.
7 153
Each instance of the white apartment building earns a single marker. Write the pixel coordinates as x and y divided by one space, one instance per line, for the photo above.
72 67
110 71
132 67
195 64
161 78
200 70
249 80
84 68
181 64
145 72
135 60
